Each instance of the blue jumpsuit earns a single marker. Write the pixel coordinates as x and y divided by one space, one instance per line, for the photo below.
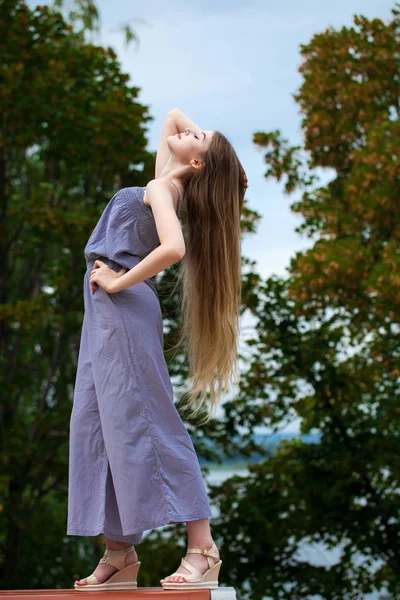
132 463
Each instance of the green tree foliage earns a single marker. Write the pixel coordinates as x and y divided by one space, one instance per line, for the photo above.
328 339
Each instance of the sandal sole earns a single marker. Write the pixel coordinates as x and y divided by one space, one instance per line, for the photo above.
191 586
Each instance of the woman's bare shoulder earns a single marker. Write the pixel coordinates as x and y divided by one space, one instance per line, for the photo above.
163 184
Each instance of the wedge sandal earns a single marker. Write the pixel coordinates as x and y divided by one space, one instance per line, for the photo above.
123 579
195 579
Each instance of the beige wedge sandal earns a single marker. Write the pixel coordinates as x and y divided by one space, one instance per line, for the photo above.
123 579
196 579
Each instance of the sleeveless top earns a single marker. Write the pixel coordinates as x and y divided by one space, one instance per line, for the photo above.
125 233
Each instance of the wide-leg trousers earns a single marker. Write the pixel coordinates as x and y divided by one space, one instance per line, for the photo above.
132 463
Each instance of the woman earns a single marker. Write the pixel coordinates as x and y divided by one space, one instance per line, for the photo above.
132 464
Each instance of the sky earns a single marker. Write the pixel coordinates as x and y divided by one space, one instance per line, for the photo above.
231 66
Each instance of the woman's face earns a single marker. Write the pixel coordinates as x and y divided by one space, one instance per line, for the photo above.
188 146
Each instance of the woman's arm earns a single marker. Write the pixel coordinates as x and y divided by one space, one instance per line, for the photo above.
175 122
182 121
172 243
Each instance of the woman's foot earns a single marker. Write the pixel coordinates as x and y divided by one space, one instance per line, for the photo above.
103 570
197 560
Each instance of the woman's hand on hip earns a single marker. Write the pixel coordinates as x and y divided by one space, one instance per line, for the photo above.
102 275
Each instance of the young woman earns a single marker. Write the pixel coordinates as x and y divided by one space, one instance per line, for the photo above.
132 464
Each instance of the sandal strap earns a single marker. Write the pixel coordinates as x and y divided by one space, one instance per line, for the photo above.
92 580
195 573
116 558
212 551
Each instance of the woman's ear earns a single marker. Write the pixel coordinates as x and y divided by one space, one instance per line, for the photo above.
197 164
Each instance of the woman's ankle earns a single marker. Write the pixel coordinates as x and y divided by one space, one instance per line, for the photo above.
199 533
200 542
113 545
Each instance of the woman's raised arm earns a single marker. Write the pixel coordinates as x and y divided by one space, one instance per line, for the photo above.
182 121
175 122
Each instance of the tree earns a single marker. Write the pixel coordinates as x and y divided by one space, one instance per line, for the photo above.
327 343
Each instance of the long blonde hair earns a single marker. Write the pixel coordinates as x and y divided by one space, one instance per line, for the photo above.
210 274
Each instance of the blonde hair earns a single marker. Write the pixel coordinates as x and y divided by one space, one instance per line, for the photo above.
210 274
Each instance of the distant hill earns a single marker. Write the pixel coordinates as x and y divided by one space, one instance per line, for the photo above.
268 441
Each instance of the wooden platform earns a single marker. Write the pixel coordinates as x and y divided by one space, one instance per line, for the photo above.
144 593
